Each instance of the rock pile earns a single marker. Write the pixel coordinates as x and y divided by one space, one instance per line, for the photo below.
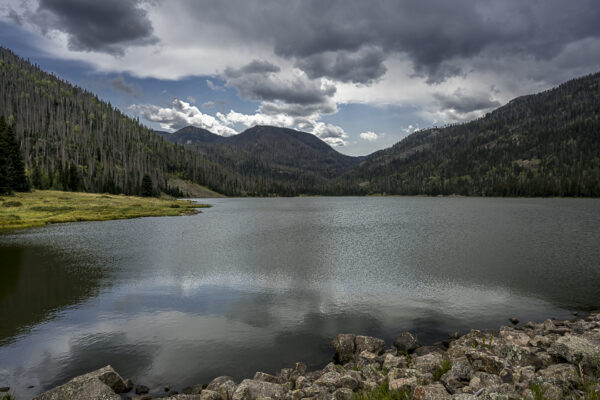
550 360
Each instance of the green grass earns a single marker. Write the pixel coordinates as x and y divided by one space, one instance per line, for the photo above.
7 396
442 369
538 391
382 392
41 207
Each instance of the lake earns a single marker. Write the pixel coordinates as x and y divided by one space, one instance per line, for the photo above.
258 284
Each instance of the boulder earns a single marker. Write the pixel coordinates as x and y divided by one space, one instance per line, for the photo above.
434 391
483 361
342 394
196 389
210 395
344 347
225 385
302 382
330 380
392 361
253 390
403 384
406 343
349 382
368 343
428 363
513 337
458 376
561 375
262 376
102 384
576 350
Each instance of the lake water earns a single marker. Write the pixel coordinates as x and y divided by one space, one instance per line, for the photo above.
258 284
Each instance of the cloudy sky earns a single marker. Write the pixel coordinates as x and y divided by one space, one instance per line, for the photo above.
360 75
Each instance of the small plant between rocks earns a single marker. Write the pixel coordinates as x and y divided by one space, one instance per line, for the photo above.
382 392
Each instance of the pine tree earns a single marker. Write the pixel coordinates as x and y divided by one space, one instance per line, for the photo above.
147 187
4 185
11 161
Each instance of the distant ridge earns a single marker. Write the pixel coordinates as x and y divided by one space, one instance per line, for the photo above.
545 144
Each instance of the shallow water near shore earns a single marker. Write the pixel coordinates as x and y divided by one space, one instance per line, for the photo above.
258 284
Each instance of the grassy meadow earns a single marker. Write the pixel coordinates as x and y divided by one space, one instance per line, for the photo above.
41 207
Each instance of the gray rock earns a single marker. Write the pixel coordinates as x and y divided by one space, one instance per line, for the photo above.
428 363
196 389
330 380
253 390
225 385
434 391
342 394
458 376
406 343
403 384
345 347
102 384
128 385
210 395
262 376
302 382
296 394
576 350
349 382
392 361
561 375
184 397
482 361
368 343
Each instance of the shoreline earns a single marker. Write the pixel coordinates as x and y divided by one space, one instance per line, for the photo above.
38 208
554 359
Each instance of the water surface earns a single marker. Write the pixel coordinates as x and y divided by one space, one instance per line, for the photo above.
258 284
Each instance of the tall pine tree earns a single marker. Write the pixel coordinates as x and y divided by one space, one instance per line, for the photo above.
12 169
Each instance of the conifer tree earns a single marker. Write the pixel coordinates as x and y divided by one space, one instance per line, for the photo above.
147 187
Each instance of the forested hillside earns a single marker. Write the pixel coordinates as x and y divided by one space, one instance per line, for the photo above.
71 140
271 159
546 144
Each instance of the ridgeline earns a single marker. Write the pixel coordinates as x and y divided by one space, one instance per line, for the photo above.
546 144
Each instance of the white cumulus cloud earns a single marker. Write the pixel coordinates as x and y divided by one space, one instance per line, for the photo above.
370 136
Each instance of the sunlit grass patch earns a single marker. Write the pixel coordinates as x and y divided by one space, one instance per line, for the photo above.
41 207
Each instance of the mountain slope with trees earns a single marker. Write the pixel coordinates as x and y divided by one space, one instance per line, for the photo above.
546 144
71 140
284 161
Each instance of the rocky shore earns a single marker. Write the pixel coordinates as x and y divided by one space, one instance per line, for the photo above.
549 360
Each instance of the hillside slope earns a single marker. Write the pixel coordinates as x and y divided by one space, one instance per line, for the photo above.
546 144
72 139
271 159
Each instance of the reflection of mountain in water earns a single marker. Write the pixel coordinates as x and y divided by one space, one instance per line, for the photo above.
35 283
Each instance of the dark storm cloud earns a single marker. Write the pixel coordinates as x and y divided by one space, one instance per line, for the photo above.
118 84
108 26
464 103
258 81
254 67
434 35
361 67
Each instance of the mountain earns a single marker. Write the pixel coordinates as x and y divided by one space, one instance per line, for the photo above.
546 144
281 161
190 135
70 139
